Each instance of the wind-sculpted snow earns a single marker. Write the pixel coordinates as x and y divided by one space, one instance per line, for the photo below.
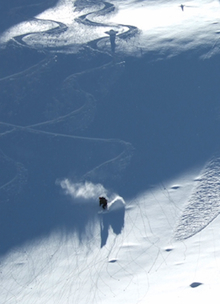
204 203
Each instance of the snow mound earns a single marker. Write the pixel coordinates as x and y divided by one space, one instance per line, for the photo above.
116 204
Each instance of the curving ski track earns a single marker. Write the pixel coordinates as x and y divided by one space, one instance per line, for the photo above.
120 161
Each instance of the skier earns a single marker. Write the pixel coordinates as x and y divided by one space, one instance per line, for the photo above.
103 202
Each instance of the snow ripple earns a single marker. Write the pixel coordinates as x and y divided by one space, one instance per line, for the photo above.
204 203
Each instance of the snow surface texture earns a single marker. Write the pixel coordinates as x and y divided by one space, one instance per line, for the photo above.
162 26
204 202
141 264
151 248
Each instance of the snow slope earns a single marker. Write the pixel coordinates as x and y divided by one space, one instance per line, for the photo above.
161 245
162 26
145 262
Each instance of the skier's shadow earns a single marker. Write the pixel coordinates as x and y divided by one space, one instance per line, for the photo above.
113 218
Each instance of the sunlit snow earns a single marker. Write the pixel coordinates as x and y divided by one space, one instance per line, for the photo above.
163 26
160 246
143 264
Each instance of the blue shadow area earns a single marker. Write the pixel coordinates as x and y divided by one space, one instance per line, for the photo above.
112 219
168 110
15 11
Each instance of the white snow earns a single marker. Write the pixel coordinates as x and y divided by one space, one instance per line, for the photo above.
163 27
145 263
157 244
